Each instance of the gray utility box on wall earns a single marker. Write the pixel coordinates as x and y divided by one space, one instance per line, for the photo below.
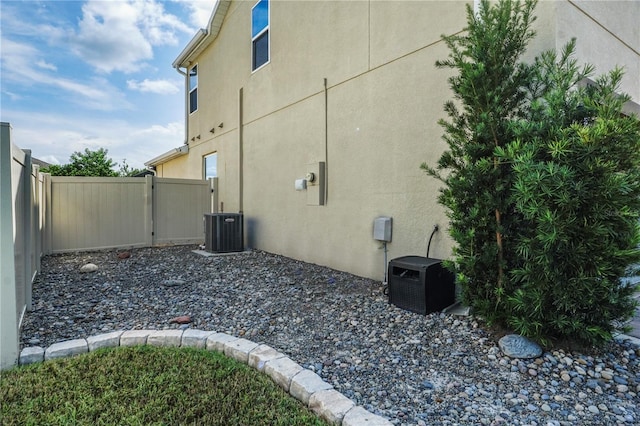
420 284
223 232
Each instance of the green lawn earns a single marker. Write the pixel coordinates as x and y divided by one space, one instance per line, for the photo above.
146 385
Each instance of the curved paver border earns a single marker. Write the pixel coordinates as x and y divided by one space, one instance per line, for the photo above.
302 384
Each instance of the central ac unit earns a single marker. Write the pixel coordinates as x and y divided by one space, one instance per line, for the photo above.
223 232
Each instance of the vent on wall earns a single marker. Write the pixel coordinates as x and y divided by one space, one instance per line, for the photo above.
223 232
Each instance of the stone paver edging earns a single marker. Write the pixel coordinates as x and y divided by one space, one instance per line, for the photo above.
301 383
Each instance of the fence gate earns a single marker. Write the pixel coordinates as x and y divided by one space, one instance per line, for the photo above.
87 213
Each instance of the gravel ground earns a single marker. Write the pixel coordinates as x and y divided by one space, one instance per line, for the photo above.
413 369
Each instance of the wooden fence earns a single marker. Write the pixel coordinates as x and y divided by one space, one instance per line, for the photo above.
42 214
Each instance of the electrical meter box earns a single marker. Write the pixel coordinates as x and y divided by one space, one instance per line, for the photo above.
382 229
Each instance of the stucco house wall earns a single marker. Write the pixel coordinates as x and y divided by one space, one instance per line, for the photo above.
352 84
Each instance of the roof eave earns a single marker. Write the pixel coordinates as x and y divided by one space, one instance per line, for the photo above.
204 37
168 156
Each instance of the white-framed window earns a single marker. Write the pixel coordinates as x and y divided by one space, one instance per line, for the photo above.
260 34
210 166
193 89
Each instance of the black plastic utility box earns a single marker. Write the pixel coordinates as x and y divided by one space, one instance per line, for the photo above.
223 232
420 284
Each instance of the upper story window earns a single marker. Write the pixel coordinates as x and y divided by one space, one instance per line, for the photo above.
260 34
193 89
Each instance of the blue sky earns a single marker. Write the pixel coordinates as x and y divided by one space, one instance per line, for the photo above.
96 74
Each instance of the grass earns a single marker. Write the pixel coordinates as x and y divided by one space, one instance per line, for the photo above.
146 385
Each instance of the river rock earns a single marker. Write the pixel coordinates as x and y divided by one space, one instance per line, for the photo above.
184 319
124 255
89 267
515 346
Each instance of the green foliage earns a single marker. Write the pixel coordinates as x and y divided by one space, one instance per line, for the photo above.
146 385
542 183
87 163
577 186
490 92
126 170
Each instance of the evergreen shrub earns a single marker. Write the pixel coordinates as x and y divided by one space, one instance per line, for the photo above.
541 182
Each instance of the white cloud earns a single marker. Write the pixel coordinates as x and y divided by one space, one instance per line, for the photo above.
56 137
13 96
17 60
200 11
120 35
161 87
45 65
51 159
171 130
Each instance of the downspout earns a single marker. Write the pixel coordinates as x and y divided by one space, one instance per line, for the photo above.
240 151
186 104
193 45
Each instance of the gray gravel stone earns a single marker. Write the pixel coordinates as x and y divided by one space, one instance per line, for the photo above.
515 346
399 365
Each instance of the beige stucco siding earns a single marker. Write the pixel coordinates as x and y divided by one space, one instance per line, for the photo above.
375 127
310 41
608 34
176 168
382 125
400 28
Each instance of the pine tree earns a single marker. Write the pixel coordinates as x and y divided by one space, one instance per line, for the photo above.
541 181
490 90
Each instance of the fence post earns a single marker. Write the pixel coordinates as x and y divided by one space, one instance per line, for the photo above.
47 221
38 219
213 186
28 217
149 182
8 313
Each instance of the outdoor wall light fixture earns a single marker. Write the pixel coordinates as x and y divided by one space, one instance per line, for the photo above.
193 139
221 125
198 137
213 130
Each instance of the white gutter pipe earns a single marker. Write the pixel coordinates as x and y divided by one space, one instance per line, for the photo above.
186 105
195 42
169 155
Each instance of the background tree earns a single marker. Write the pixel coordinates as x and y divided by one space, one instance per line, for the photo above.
126 170
542 183
87 163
